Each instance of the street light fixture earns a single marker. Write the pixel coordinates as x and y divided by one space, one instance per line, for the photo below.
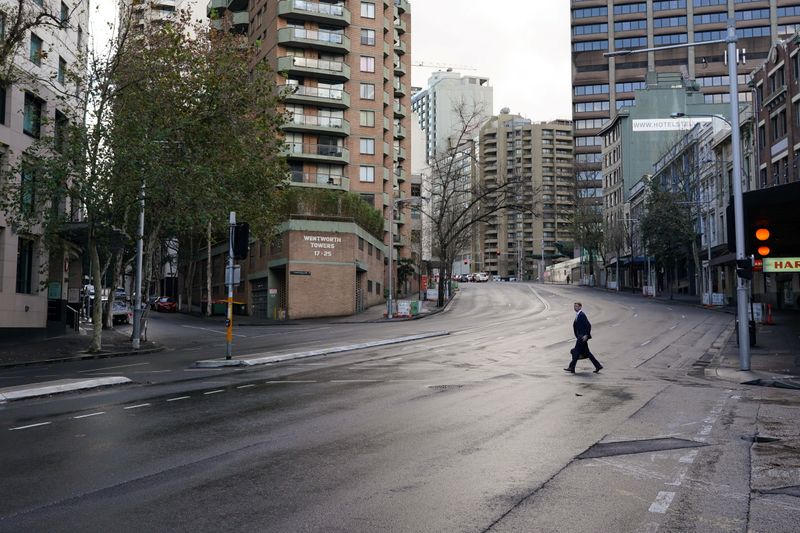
738 204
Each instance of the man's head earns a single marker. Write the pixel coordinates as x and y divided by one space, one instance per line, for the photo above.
577 306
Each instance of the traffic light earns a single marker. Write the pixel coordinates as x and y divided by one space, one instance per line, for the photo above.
744 268
466 261
762 243
241 240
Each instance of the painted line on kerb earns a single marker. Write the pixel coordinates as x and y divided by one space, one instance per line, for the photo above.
662 503
98 413
136 406
30 426
266 358
178 398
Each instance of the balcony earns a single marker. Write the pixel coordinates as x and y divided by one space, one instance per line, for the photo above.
400 153
400 175
327 41
321 13
317 96
399 111
317 153
402 6
301 66
399 131
325 181
400 47
400 89
399 69
317 124
400 25
220 6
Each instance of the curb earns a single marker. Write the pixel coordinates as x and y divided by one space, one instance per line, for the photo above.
48 388
263 359
84 357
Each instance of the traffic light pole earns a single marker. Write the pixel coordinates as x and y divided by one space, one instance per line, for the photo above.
738 204
229 280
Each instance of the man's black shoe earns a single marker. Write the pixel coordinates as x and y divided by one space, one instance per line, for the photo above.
569 370
598 369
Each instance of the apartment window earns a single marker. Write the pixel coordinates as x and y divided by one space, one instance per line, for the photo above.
60 128
590 46
630 25
62 70
369 282
2 25
36 49
367 146
367 119
366 174
669 4
25 266
669 22
367 91
589 12
627 9
367 37
367 64
32 115
64 13
361 244
368 198
27 191
368 10
673 38
369 249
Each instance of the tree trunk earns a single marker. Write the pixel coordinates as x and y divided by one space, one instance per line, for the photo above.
208 270
116 272
96 343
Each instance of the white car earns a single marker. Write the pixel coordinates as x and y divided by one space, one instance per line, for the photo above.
481 276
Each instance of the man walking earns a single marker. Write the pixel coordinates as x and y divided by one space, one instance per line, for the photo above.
583 332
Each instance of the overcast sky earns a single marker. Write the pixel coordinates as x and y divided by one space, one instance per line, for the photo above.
522 46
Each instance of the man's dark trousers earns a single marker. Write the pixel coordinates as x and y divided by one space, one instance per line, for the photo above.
582 348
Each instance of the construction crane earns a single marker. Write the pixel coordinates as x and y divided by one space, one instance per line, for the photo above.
428 64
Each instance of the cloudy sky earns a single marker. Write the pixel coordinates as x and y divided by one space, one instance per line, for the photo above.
522 46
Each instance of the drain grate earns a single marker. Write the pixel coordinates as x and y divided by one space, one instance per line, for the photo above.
628 447
789 491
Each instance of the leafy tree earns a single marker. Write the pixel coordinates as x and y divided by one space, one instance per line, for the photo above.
667 227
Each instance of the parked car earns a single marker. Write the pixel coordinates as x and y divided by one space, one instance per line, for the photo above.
166 304
495 278
151 303
121 312
481 277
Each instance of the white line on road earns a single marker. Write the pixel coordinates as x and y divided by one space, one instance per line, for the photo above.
110 367
30 426
136 406
98 413
214 330
706 430
679 477
689 457
355 380
178 398
662 503
245 386
669 308
292 381
213 392
645 343
635 315
673 327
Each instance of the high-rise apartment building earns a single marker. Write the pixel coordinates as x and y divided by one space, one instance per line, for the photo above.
600 85
37 97
538 156
438 106
344 66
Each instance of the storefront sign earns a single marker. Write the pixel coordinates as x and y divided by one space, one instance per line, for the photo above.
782 264
668 124
322 245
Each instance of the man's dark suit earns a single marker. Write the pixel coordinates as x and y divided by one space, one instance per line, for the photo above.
582 327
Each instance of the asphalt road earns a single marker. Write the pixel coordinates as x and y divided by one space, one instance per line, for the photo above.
481 430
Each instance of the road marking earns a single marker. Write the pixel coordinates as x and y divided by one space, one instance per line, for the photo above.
683 316
30 426
98 413
662 503
214 331
679 477
110 367
615 325
355 380
213 392
635 315
673 327
292 381
158 371
689 457
669 308
706 430
136 406
645 343
178 398
246 386
288 332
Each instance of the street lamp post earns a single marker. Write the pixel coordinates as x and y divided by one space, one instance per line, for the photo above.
738 209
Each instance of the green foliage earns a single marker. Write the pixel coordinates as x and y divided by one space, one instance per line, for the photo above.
308 201
405 270
667 227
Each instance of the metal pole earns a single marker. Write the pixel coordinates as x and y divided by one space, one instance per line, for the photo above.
738 204
391 249
229 280
137 300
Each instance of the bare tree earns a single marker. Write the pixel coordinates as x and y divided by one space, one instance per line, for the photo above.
458 201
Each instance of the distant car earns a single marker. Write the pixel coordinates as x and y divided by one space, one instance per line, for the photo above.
151 303
481 277
495 278
166 304
121 312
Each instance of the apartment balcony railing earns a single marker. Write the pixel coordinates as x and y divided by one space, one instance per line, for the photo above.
317 124
399 111
220 6
321 153
319 96
331 14
400 25
321 179
399 131
400 89
327 41
399 69
400 47
402 6
303 66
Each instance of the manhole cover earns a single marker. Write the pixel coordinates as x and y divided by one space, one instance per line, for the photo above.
627 447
